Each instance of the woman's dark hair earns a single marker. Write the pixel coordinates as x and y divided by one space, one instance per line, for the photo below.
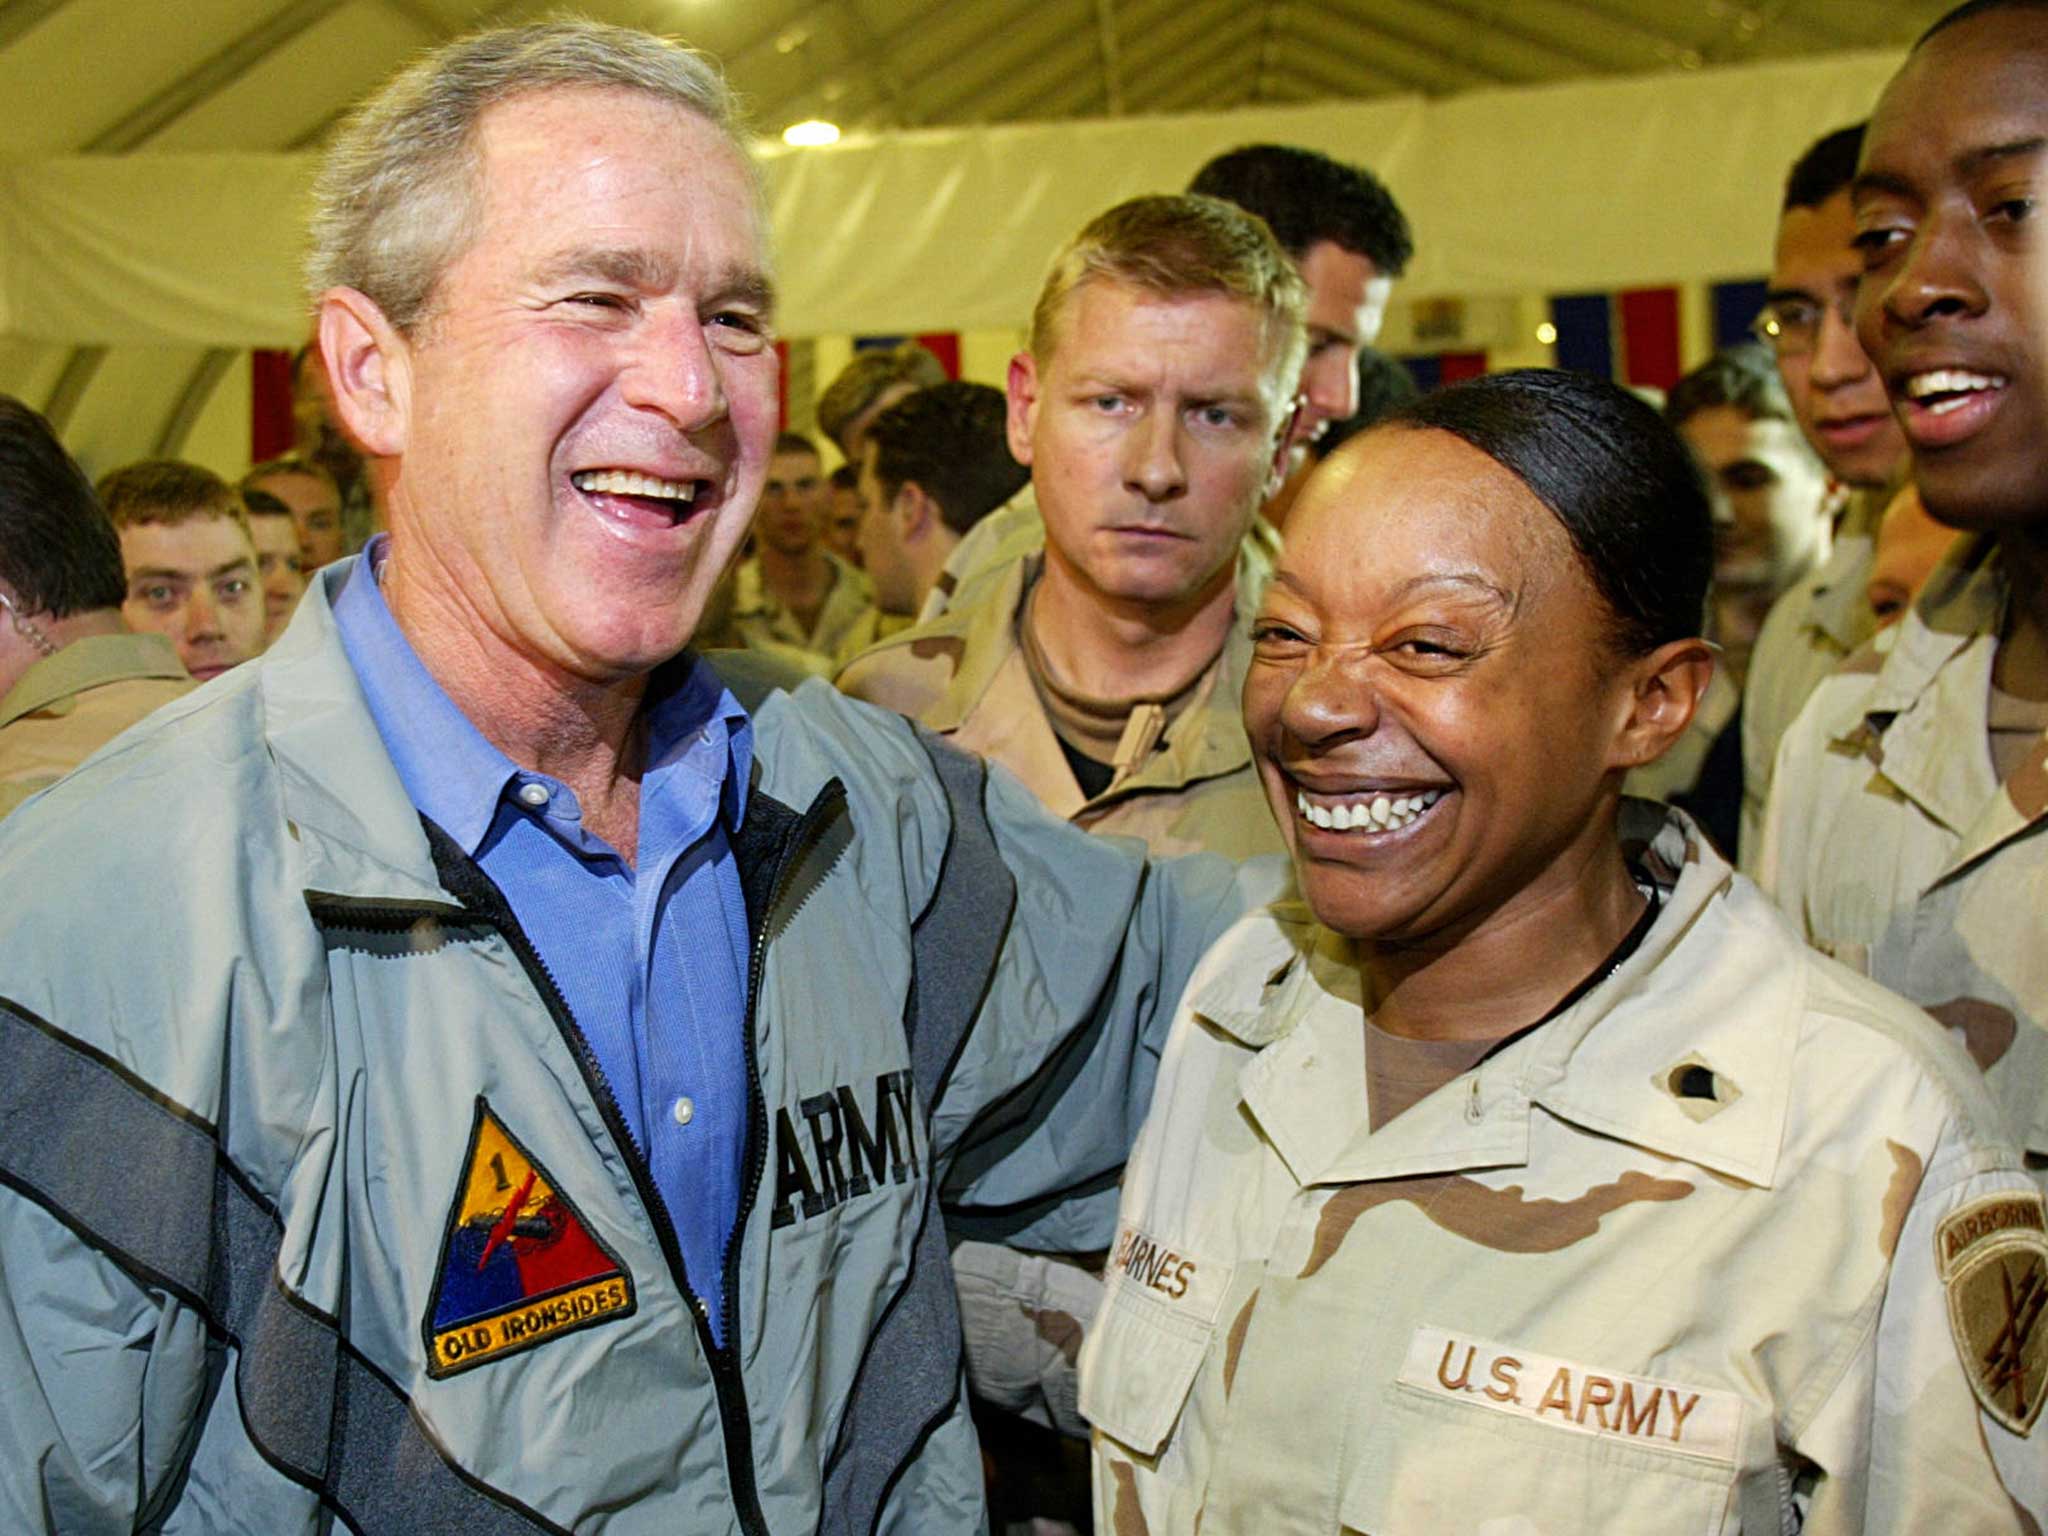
1619 479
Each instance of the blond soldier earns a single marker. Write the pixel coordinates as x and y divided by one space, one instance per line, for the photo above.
1151 407
1349 240
1903 833
1531 1174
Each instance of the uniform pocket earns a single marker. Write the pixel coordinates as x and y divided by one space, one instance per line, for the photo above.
1477 1437
1138 1365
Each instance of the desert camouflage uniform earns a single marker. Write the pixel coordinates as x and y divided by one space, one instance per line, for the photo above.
760 621
1679 1260
872 626
1005 536
1808 633
1891 843
67 706
964 676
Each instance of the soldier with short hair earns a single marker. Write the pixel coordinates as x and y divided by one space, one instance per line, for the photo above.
1909 798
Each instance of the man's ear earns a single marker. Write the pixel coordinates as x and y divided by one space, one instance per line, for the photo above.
1023 405
1665 690
369 371
1276 471
915 512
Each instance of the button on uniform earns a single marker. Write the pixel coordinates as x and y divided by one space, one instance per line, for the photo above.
683 1110
535 795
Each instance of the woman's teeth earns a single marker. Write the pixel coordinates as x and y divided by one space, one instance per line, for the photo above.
1379 814
621 482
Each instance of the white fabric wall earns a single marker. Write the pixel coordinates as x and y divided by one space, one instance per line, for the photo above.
1592 185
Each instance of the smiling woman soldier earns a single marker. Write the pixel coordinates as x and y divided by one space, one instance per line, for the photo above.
1531 1170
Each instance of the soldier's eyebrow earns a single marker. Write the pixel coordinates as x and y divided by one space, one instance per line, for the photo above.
1471 581
1971 162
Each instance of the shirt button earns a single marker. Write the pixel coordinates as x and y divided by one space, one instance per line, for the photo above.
535 795
683 1110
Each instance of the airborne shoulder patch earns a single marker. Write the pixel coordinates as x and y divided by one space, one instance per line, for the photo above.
519 1265
1993 1254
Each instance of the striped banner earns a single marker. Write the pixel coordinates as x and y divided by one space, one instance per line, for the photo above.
1631 337
1435 369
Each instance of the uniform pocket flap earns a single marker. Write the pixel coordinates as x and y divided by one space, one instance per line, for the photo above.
1138 1366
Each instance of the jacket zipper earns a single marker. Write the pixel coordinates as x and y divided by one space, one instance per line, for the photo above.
725 1372
813 822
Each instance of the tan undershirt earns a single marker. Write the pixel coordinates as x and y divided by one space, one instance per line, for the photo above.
1098 728
1400 1072
2015 727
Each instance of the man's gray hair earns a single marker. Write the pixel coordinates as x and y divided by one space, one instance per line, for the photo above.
396 196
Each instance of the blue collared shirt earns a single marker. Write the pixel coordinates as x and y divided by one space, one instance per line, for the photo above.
651 957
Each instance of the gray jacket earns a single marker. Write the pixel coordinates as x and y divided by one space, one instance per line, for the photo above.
313 1203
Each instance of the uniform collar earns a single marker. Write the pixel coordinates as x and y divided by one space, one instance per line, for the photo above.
1607 1063
89 663
1836 604
990 696
1922 721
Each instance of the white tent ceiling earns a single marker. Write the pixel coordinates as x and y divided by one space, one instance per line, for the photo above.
142 79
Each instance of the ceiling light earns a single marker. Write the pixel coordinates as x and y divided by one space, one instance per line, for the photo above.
810 133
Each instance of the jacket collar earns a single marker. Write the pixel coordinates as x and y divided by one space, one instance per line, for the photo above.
89 663
358 832
1607 1063
1923 721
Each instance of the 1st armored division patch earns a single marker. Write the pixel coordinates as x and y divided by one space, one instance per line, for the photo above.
518 1265
1994 1266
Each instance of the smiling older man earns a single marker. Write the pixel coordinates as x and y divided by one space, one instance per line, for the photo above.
541 1125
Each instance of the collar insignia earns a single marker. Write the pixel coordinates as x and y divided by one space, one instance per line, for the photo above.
519 1265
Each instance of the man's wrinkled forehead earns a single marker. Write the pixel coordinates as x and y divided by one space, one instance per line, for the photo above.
525 162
